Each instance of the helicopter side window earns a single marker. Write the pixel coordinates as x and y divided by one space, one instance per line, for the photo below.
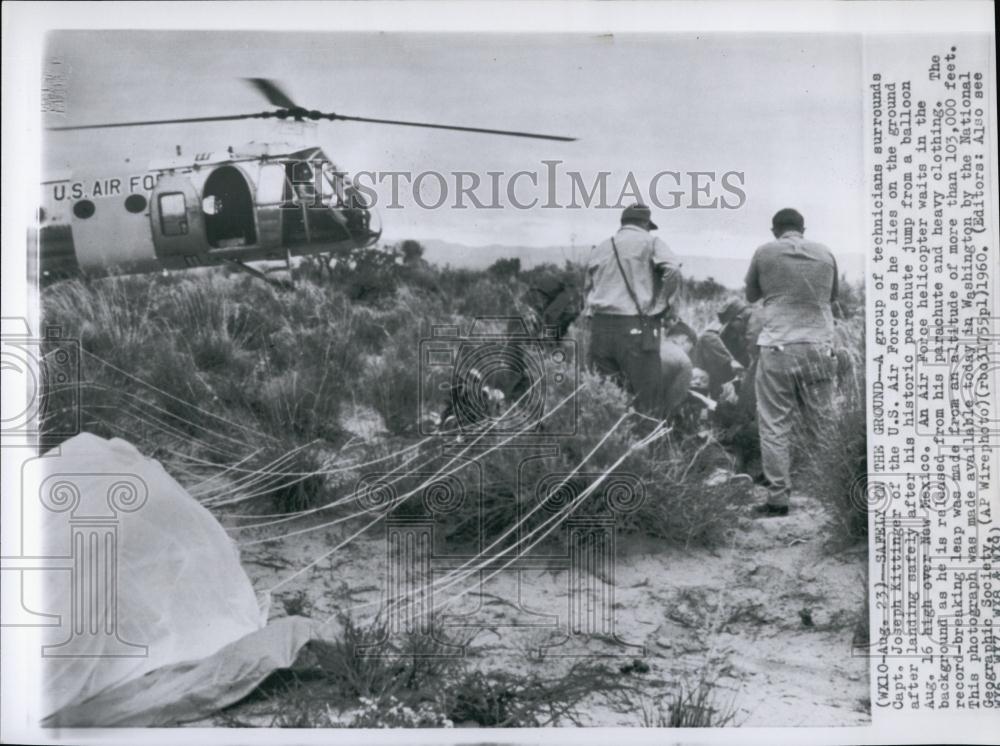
173 214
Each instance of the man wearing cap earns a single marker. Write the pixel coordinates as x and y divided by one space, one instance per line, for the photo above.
726 352
797 281
630 280
722 350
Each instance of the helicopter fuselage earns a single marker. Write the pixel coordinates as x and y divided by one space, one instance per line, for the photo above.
260 202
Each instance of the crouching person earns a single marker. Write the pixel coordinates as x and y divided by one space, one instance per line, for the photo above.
676 367
727 352
721 350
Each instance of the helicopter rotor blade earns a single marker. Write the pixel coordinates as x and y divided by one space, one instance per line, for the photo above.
454 128
185 120
297 113
270 90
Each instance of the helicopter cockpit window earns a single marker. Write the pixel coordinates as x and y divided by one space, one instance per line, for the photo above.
173 214
302 182
333 186
312 189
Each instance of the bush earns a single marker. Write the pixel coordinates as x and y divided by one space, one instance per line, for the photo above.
367 275
335 685
392 384
215 366
686 501
226 366
837 470
707 289
238 378
850 299
505 268
356 668
291 478
691 707
471 294
411 251
499 699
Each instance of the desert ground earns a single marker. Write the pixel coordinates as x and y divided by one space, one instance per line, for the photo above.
267 404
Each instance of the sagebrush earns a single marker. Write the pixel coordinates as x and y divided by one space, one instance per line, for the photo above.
218 373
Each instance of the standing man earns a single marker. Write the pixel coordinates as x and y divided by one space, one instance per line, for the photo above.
630 280
797 281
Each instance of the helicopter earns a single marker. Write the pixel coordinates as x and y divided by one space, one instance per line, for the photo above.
251 203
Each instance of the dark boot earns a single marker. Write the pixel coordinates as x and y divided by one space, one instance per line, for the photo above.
766 510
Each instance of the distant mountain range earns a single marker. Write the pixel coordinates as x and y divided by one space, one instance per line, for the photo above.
728 271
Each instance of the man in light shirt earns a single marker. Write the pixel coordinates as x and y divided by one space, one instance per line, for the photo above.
796 280
630 280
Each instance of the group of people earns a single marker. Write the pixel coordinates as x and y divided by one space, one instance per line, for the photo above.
767 364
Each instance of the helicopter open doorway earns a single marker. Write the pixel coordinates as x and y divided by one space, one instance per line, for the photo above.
229 209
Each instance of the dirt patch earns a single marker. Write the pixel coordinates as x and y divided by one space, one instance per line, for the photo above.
769 617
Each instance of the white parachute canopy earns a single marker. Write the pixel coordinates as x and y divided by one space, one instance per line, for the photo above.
138 575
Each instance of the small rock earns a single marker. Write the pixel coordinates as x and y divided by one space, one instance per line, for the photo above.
635 666
693 646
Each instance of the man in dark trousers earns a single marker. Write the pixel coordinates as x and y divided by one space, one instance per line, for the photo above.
630 280
797 281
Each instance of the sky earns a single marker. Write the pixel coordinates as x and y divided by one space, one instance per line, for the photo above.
784 111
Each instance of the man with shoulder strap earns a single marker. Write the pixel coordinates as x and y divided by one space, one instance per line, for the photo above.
797 281
630 280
